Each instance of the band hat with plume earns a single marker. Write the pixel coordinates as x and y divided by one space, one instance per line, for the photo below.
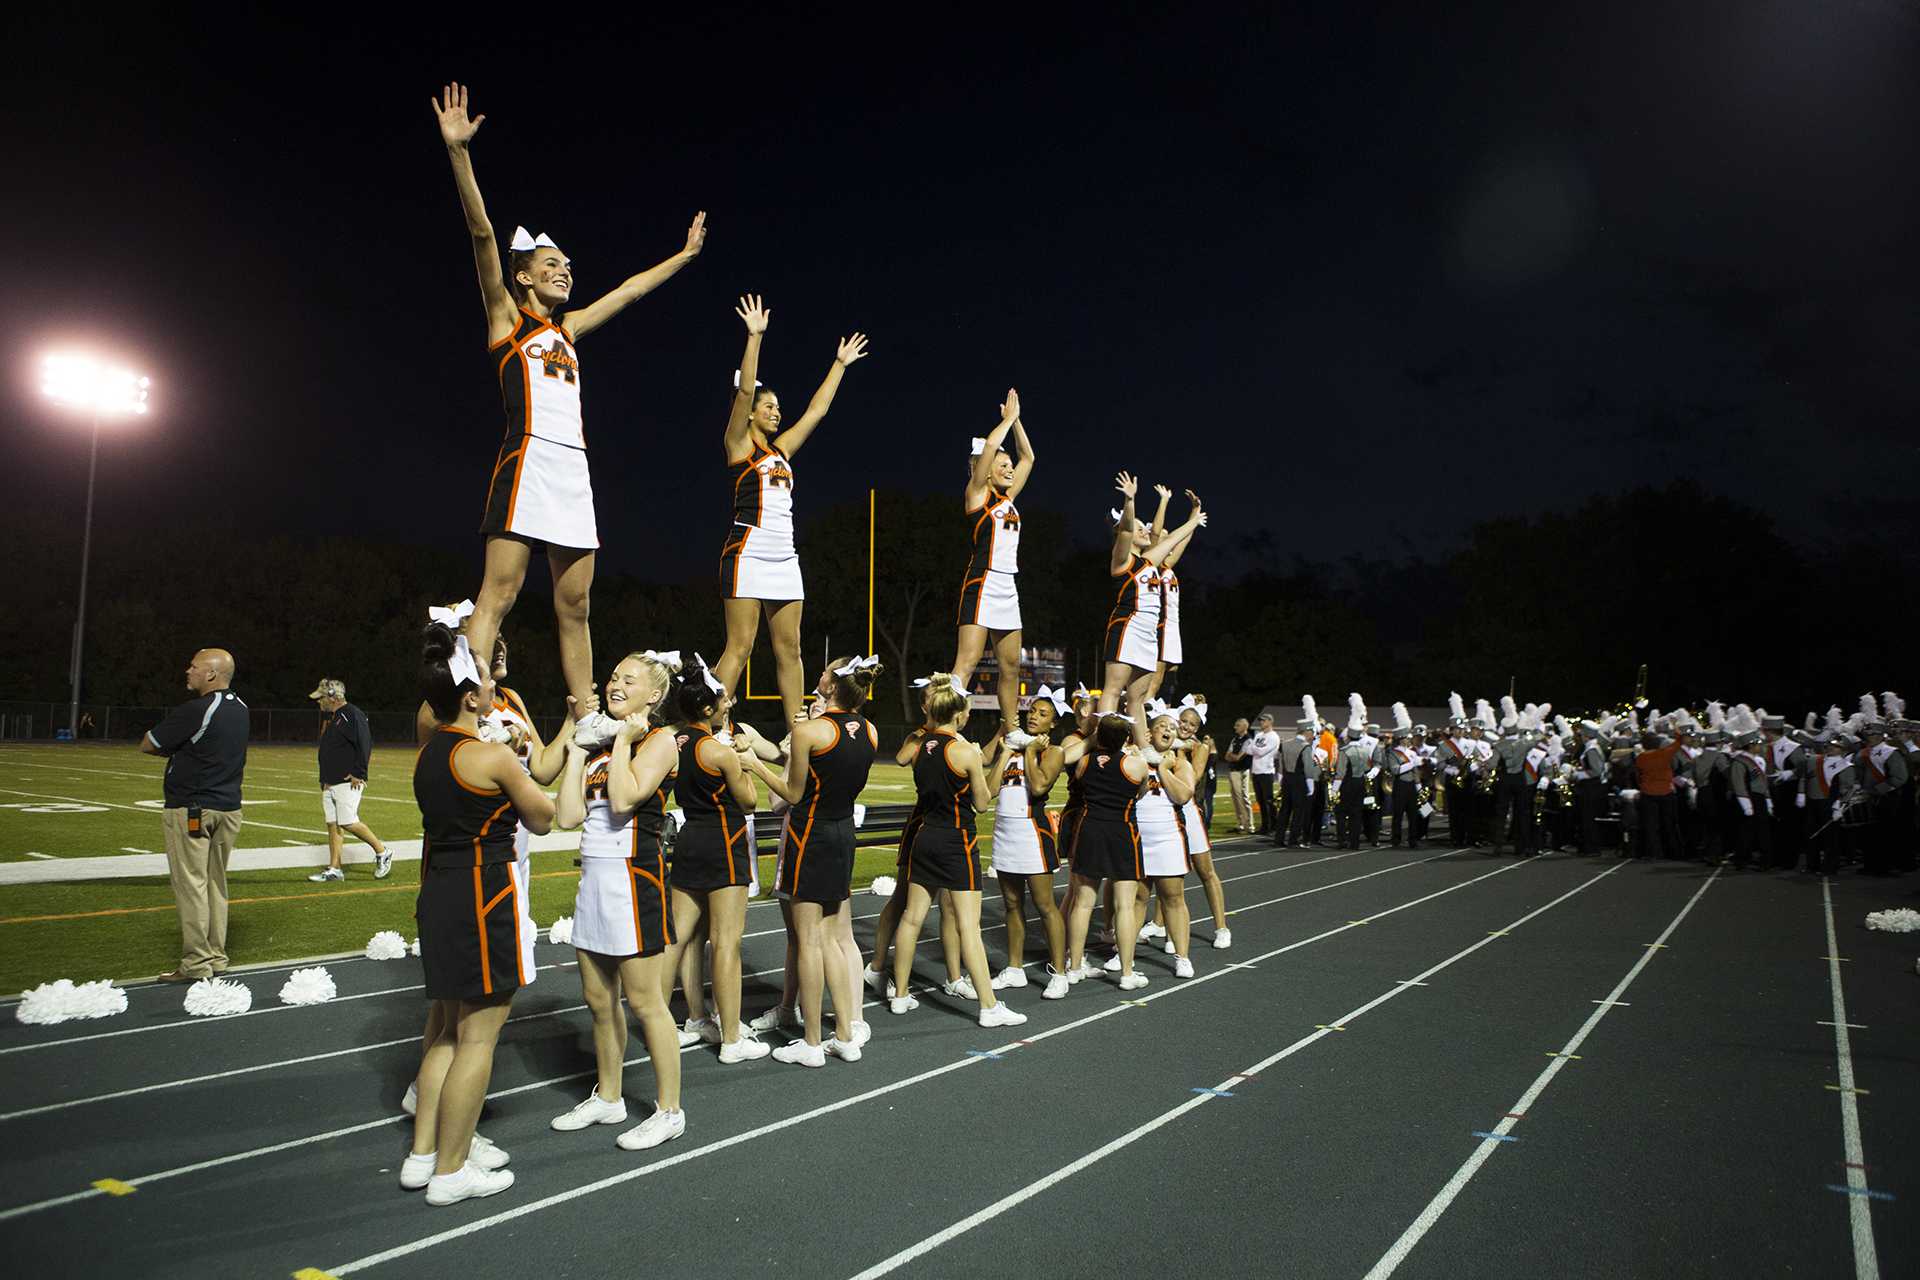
1742 722
524 243
1356 714
1716 716
1309 711
1456 709
1894 706
1402 722
1483 713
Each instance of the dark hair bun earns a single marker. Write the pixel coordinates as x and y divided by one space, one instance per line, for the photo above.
436 642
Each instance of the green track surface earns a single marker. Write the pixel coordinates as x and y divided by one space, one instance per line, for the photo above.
86 801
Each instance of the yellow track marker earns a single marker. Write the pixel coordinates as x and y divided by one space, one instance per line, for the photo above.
312 1273
114 1187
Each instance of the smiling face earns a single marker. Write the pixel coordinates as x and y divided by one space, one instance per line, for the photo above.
544 274
1001 472
630 689
499 659
1190 725
765 418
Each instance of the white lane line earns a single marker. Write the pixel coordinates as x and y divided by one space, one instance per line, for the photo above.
575 1193
47 856
1032 1189
1397 1253
248 822
364 995
1866 1260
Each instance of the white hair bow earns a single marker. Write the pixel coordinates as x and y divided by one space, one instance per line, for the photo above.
1155 709
958 686
855 665
670 659
462 666
1198 708
757 384
979 446
1117 716
1057 697
706 673
1113 515
451 616
522 242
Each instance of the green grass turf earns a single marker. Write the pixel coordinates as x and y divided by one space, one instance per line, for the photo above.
127 929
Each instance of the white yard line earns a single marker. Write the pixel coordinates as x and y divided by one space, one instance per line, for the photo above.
1866 1259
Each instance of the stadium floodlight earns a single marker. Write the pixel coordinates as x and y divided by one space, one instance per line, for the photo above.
80 381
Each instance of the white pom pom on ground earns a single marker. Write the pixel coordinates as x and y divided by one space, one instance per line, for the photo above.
217 998
883 886
308 986
562 931
1896 920
414 946
63 1001
386 945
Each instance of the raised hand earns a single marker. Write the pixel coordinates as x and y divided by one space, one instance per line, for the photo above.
696 235
754 312
456 130
1193 497
851 349
1010 407
1166 494
1126 484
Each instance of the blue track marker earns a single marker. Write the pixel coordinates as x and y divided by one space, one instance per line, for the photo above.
1860 1191
1497 1137
1214 1093
982 1053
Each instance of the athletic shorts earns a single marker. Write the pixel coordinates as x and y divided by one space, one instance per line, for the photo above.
713 853
474 942
621 908
341 803
1108 850
1134 640
1025 845
943 858
745 576
816 866
541 492
990 600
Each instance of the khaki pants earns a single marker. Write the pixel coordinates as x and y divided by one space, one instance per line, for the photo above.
1242 807
197 863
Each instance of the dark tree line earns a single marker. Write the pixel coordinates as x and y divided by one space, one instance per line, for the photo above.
1713 595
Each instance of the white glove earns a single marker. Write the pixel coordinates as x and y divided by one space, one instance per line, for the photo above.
1769 807
1746 805
1452 771
1543 784
1373 773
1800 800
1310 783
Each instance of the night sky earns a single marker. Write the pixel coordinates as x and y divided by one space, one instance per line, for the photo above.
1361 278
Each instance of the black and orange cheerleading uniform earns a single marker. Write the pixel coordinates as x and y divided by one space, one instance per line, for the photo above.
942 856
473 944
1108 843
541 490
816 847
990 592
714 850
1133 627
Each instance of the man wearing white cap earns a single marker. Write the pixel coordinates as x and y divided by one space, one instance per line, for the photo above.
346 751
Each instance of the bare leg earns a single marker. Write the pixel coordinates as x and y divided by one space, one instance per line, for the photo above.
366 836
500 583
965 906
334 844
600 986
694 961
727 919
844 951
1210 883
743 624
464 1090
1172 893
1040 889
1006 649
1125 922
1160 673
645 979
907 936
806 923
790 981
972 643
1113 684
1013 893
572 581
434 1061
1082 893
689 912
783 628
949 939
887 924
1137 706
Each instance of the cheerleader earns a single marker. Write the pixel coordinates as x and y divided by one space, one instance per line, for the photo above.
622 926
713 855
1107 847
473 950
879 971
951 783
759 568
1133 629
1171 650
1196 750
827 765
990 593
1026 844
1163 839
540 491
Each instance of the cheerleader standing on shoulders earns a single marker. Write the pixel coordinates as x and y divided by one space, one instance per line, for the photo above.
1026 845
540 491
1172 652
1196 751
1133 629
622 928
827 766
1107 847
952 785
713 856
759 568
469 912
990 592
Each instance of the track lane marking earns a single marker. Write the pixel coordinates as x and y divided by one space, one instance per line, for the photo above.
1866 1258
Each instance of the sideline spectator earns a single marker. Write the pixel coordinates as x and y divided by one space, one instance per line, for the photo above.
346 751
1263 748
205 742
1241 763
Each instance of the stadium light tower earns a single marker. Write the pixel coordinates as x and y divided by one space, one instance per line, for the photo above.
88 384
